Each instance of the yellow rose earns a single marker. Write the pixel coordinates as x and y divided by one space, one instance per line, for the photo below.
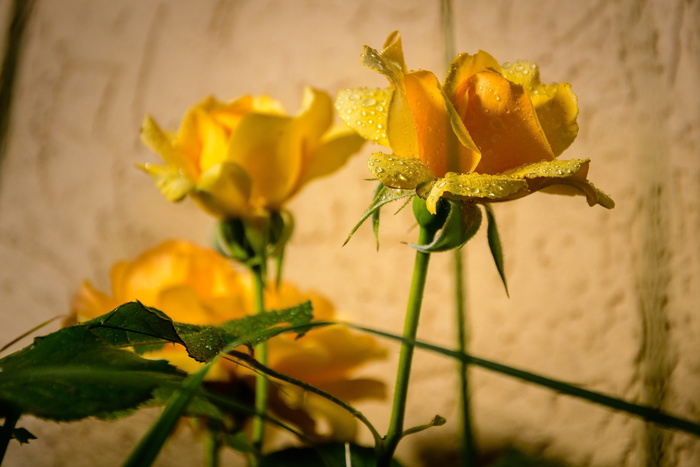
488 133
239 158
198 286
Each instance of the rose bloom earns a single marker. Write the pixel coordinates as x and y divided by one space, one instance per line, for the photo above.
198 286
489 133
241 158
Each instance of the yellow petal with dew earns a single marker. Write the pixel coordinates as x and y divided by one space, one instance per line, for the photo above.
224 190
404 173
555 104
390 60
474 186
461 69
502 122
161 143
169 181
366 111
401 131
566 177
438 145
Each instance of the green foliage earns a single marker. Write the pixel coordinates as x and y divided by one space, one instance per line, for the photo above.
134 324
73 374
382 195
495 245
462 222
253 241
327 455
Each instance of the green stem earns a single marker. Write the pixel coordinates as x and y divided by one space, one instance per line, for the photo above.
7 431
415 299
212 446
468 448
261 385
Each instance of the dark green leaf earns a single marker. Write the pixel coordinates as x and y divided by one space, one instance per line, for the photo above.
495 245
326 455
382 195
73 374
133 324
22 435
648 413
250 328
463 221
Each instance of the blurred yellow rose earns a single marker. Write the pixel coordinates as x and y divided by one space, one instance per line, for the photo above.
199 286
239 158
488 133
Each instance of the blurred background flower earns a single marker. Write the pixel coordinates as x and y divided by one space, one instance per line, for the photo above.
198 286
245 157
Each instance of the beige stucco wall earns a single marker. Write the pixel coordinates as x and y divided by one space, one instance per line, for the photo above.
599 298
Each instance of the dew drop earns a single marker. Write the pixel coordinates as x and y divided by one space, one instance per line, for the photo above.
369 101
378 170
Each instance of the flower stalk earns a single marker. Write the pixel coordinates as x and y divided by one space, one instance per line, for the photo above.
415 300
261 384
468 447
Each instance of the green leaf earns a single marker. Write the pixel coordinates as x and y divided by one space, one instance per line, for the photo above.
134 324
151 444
648 413
495 245
463 221
250 329
22 435
73 374
382 196
326 455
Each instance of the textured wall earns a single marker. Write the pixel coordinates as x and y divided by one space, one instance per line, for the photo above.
606 299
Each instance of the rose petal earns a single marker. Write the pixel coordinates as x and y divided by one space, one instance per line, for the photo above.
474 186
169 180
555 104
161 143
438 145
225 190
502 122
334 151
404 173
366 111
